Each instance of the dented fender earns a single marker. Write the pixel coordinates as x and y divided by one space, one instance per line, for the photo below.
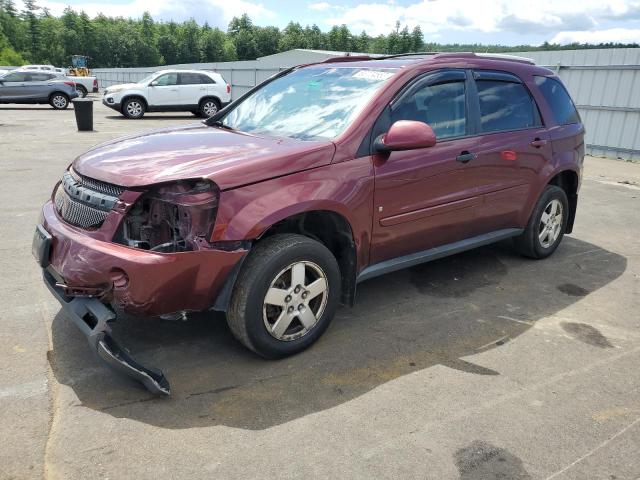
247 212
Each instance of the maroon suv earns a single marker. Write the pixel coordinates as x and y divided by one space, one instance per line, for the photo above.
323 176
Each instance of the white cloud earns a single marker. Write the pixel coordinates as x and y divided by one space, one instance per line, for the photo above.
320 6
548 16
621 35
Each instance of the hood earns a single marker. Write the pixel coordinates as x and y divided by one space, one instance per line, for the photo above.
228 158
122 86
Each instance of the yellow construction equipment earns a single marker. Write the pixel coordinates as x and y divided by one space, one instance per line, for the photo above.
79 66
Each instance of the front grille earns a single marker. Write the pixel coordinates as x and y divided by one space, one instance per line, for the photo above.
96 185
85 202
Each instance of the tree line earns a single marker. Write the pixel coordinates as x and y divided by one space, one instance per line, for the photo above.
33 35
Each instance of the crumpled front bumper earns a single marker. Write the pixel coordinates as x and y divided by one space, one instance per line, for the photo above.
92 318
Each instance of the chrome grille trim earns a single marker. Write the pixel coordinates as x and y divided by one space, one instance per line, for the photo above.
85 202
96 185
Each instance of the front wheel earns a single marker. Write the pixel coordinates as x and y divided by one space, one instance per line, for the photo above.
285 296
133 108
59 101
546 226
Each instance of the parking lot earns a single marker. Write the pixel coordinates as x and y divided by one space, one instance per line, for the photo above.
479 366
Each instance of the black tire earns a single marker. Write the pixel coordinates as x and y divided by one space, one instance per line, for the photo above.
208 107
59 100
247 315
81 90
133 108
529 243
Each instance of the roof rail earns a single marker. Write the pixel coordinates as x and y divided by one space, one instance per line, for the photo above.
491 56
349 58
505 56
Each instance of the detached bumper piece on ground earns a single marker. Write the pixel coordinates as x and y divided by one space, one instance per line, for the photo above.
92 317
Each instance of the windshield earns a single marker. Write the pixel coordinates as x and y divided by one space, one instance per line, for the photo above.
308 104
148 79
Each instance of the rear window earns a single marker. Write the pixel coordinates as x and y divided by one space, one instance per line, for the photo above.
194 79
39 77
505 106
562 107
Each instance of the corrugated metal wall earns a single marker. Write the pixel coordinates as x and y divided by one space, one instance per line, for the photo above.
604 83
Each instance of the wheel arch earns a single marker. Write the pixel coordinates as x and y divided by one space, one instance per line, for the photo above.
207 97
328 226
331 229
55 92
569 181
134 95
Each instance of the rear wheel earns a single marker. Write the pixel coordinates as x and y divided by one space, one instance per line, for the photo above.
546 226
81 90
133 108
59 101
208 107
285 296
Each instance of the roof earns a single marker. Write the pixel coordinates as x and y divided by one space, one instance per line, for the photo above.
400 60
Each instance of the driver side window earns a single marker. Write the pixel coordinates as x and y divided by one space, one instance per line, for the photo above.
167 79
442 106
15 77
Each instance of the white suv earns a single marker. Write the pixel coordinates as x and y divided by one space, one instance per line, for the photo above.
200 92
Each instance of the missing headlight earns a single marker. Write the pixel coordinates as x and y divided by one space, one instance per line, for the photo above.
176 217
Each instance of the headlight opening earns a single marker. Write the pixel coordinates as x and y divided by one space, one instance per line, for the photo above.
171 218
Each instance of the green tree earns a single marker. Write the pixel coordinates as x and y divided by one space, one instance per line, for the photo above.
292 37
9 57
31 18
314 38
212 45
417 39
267 40
340 39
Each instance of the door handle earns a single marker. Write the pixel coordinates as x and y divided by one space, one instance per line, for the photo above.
465 157
538 142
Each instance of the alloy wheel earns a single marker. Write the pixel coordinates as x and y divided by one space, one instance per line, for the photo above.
209 108
295 301
134 108
59 101
550 223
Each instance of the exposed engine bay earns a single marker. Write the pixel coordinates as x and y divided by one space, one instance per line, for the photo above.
172 218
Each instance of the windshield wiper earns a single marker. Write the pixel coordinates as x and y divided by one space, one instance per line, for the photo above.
220 124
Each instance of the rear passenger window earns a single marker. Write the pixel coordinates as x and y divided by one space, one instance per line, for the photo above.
441 106
39 77
505 106
206 79
189 79
562 107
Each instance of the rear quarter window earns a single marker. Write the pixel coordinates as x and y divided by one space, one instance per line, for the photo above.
562 107
505 106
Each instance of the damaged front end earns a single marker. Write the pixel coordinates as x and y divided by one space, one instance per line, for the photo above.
104 248
92 318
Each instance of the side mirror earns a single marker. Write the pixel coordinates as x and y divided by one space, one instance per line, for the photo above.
154 83
406 135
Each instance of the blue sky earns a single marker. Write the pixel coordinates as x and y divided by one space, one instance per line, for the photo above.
507 22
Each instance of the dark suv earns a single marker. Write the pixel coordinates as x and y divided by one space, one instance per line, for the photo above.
323 176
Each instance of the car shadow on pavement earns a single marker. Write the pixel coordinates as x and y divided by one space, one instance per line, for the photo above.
30 107
433 314
155 117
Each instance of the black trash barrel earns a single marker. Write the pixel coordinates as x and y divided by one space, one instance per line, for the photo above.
83 108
